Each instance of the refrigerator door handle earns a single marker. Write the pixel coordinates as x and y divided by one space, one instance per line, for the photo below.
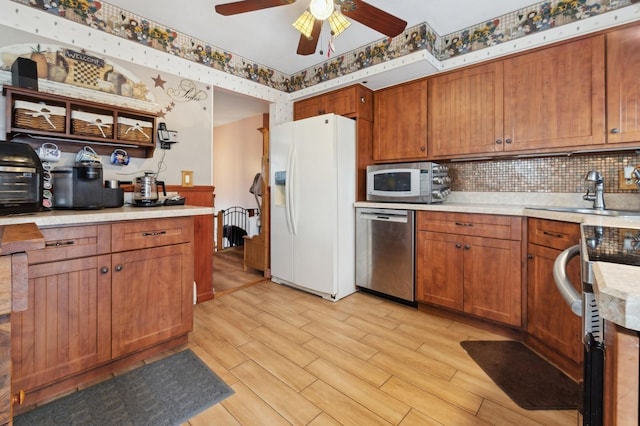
291 191
287 195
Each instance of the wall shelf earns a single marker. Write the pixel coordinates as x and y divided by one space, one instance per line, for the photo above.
36 117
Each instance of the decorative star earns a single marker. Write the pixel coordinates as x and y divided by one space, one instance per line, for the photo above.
159 82
169 108
161 114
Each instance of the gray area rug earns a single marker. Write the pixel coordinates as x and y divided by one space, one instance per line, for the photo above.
166 392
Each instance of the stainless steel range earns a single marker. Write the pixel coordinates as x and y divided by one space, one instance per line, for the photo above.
597 244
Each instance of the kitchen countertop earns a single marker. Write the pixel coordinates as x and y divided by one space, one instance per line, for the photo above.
76 217
617 286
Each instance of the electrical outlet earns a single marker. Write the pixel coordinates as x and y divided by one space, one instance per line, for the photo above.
624 183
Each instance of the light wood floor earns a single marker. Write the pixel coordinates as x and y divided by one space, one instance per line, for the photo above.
229 274
294 358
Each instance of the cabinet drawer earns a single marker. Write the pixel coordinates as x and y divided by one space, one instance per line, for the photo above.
150 233
72 242
476 225
553 234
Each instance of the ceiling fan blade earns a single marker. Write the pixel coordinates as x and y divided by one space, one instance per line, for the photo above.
307 46
234 8
375 18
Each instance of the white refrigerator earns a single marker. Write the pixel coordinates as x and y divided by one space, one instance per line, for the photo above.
313 178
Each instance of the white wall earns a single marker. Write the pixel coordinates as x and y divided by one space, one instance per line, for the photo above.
237 155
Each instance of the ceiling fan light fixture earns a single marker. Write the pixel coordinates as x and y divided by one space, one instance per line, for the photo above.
321 9
304 23
338 23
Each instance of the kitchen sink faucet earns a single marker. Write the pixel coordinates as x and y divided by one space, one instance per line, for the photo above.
598 187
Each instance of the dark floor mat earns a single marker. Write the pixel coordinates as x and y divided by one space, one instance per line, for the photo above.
529 380
165 392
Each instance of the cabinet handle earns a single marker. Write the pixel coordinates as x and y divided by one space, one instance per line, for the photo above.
463 224
498 141
60 243
467 247
507 141
104 270
118 268
362 100
153 233
615 130
458 245
551 234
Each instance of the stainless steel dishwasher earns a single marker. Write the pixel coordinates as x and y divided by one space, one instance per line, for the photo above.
385 241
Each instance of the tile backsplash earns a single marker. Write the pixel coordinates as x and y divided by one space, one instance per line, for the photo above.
544 174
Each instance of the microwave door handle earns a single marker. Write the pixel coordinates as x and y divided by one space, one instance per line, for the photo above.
566 288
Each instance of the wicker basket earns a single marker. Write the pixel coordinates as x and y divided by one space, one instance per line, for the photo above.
130 129
39 116
89 124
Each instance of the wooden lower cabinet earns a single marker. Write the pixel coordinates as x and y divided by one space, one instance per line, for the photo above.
621 372
150 301
552 329
87 312
474 274
67 326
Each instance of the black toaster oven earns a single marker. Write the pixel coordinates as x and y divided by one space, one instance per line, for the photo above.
21 179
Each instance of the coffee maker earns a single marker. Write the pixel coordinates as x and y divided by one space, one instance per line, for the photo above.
78 187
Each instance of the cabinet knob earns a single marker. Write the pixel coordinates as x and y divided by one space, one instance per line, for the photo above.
104 270
118 268
458 245
362 100
422 148
18 398
467 247
498 141
615 130
529 256
507 141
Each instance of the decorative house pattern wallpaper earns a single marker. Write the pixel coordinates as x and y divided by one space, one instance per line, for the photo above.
536 18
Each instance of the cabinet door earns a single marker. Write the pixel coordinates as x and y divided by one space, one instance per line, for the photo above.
309 107
465 112
554 98
152 296
493 280
400 123
549 318
623 85
67 326
439 269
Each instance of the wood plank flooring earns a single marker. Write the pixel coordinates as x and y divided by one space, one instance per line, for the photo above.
295 359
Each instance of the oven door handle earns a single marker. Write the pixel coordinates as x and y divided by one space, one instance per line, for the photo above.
566 288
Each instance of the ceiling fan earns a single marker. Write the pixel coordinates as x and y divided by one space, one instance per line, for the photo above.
310 22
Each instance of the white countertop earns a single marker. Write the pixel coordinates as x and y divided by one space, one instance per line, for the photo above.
74 217
617 286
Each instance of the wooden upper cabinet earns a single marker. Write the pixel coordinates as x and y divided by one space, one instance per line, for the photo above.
400 122
550 99
554 97
465 111
623 85
353 101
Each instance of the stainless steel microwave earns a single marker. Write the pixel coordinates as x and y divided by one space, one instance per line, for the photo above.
421 182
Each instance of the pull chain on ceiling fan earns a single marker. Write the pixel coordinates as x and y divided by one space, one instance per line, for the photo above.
310 22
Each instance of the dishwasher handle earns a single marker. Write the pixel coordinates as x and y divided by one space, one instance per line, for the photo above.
385 217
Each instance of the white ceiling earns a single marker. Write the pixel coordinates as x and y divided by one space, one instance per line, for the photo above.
266 37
